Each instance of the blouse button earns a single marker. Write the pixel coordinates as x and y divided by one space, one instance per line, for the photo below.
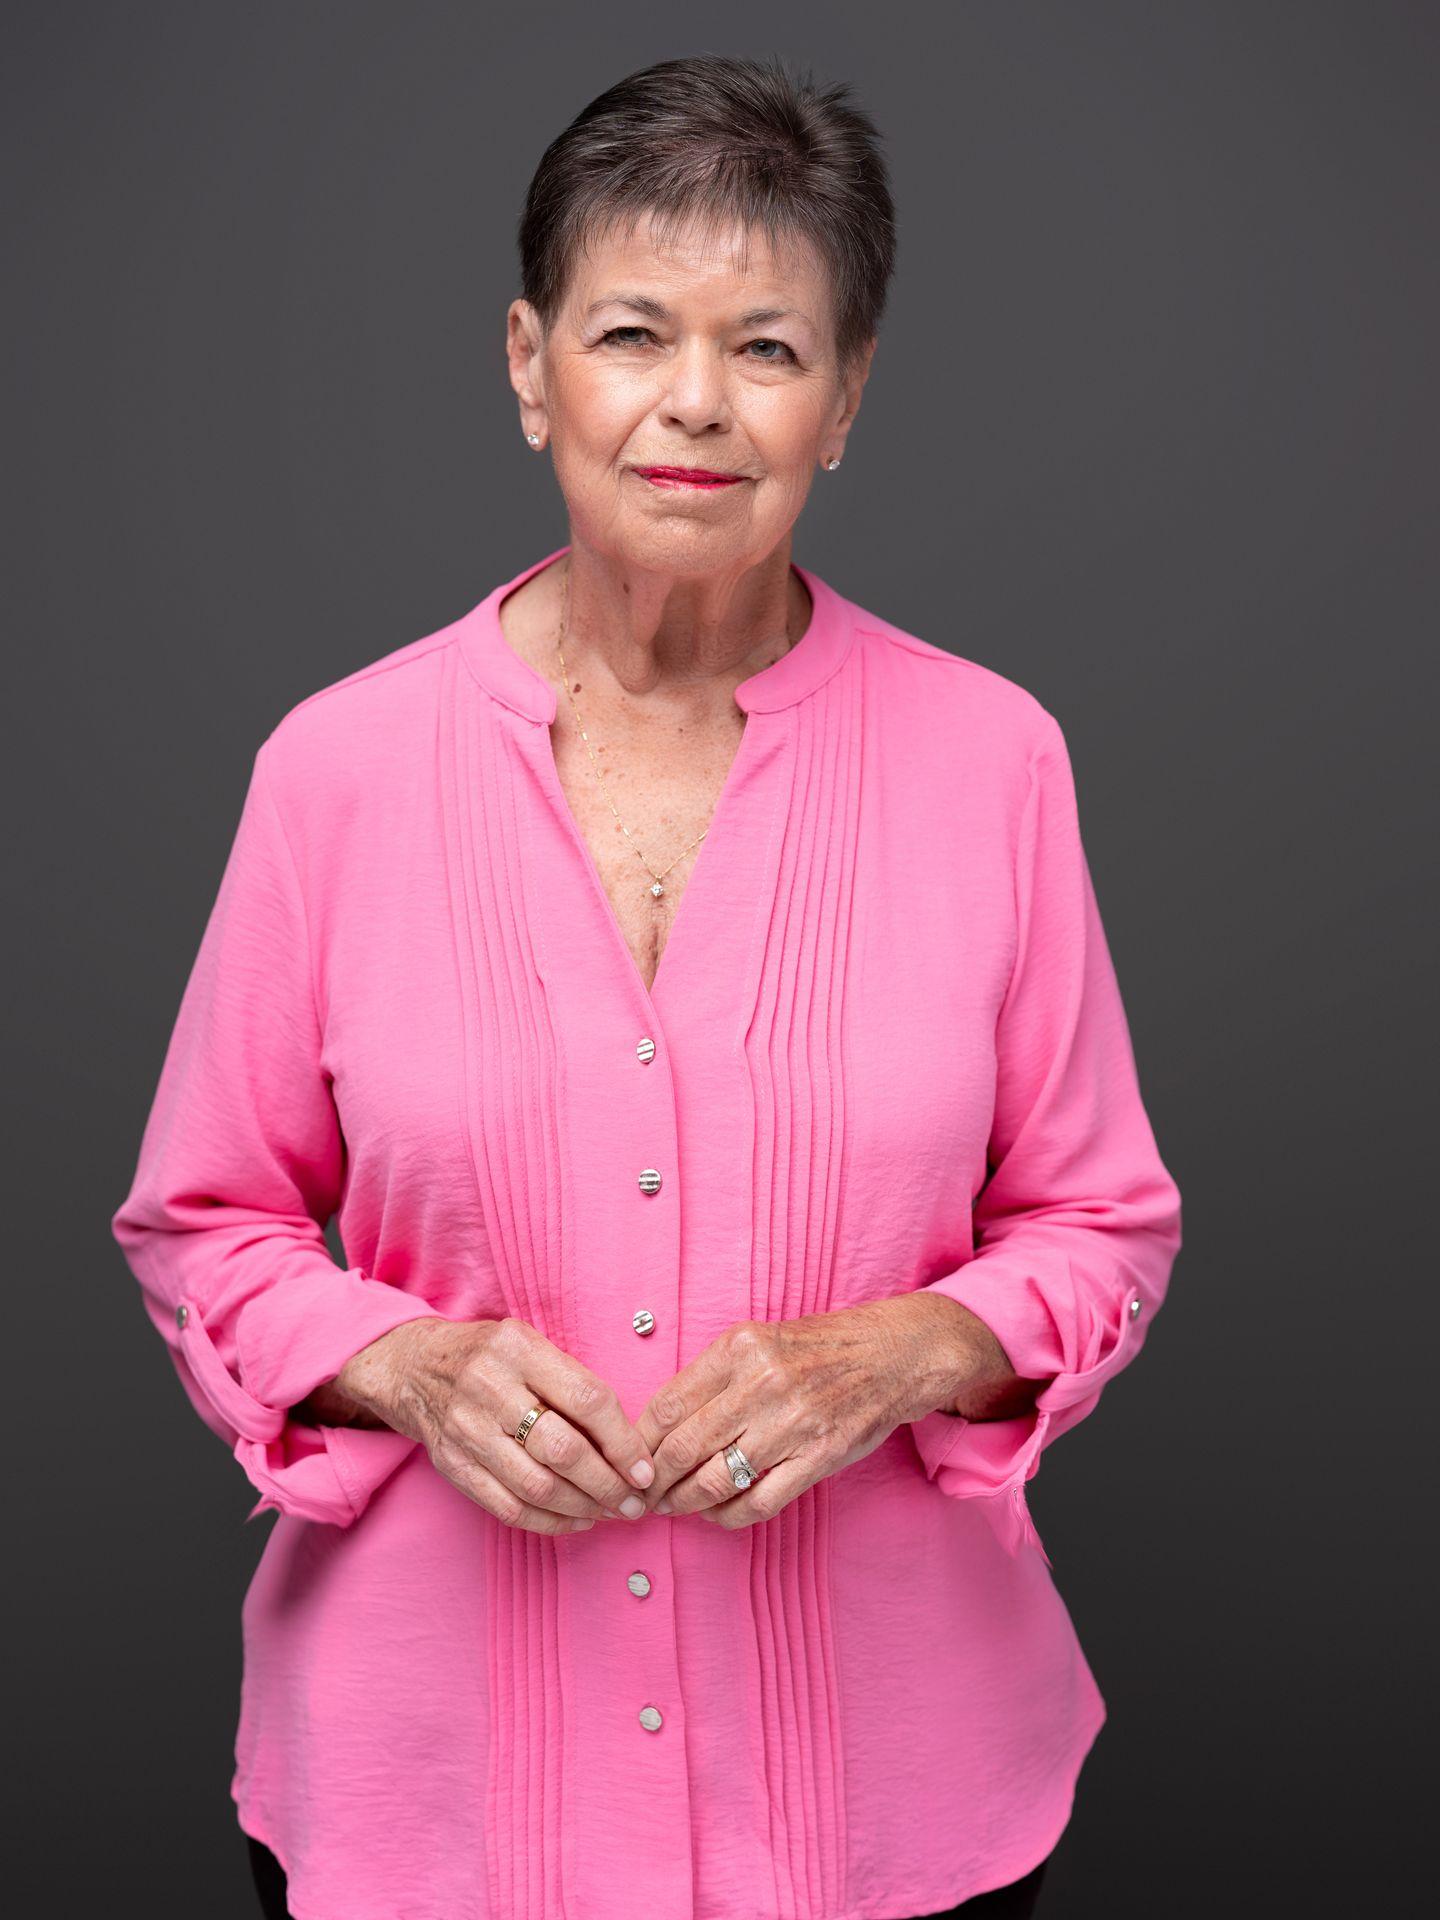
649 1181
182 1314
651 1719
646 1050
639 1584
643 1321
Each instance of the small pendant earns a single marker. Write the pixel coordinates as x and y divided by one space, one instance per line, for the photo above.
657 889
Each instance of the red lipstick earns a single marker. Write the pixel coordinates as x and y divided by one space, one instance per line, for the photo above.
704 477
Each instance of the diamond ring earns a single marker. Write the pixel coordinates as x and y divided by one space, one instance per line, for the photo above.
741 1471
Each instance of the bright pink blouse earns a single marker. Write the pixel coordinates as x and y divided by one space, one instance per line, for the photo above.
889 1053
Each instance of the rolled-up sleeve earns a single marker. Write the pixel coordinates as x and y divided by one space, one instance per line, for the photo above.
240 1168
1077 1227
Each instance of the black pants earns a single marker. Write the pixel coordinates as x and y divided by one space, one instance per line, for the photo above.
1015 1902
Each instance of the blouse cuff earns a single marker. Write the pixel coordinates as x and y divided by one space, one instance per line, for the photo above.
288 1341
991 1461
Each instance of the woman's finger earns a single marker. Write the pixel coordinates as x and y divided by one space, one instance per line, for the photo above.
708 1483
490 1491
557 1465
607 1467
768 1496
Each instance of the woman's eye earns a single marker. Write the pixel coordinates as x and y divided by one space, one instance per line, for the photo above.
612 336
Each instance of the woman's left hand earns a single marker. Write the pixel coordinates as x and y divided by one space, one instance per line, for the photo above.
801 1397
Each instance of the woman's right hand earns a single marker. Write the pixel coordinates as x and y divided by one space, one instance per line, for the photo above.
462 1387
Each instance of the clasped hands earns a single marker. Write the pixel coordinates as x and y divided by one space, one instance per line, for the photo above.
802 1398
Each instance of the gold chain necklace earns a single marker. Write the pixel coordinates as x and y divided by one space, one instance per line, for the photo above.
657 880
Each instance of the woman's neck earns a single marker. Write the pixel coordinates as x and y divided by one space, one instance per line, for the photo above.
648 633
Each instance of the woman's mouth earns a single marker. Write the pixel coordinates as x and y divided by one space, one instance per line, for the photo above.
697 477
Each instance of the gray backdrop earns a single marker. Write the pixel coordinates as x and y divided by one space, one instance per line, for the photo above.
1151 430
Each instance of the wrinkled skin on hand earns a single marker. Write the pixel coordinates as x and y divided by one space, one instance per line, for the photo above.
803 1397
806 1397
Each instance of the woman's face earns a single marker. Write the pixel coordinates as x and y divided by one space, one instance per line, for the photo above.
687 358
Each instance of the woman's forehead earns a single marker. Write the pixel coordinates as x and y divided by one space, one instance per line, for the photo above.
639 269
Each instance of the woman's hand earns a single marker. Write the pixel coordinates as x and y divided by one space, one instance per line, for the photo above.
462 1387
803 1398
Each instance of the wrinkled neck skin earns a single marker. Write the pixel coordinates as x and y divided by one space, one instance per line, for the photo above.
643 634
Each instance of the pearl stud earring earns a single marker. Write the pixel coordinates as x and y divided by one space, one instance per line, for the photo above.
533 438
830 465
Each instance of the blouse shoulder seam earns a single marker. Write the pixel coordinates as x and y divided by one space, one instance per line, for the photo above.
407 656
920 649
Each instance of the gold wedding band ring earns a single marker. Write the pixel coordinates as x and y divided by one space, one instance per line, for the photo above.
522 1432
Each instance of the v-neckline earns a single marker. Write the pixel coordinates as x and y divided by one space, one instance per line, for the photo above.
699 867
803 667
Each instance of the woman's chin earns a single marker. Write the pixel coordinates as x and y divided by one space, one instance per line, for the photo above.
678 542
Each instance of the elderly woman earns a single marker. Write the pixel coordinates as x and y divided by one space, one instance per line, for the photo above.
687 988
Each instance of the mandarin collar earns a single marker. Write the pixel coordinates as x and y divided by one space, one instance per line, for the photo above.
816 655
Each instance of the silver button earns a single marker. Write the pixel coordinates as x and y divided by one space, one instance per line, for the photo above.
646 1050
644 1321
1134 1308
649 1181
182 1314
651 1719
639 1584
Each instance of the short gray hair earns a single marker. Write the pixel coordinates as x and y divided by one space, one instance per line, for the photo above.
715 142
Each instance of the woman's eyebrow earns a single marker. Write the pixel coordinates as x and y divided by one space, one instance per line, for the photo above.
642 303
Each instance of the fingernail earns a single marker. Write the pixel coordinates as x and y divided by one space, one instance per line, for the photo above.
632 1506
642 1473
662 1506
579 1526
